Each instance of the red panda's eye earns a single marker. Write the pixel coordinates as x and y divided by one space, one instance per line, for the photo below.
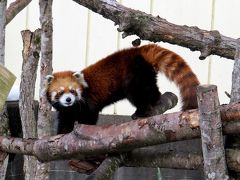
72 91
60 92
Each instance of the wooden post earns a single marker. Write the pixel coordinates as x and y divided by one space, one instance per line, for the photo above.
3 90
211 133
233 141
31 51
44 113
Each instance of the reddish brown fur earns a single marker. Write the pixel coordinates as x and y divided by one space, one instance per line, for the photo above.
105 77
111 71
176 69
125 74
64 79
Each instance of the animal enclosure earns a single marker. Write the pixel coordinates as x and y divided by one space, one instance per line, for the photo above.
124 144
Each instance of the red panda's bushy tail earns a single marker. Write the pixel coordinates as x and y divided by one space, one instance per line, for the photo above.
176 69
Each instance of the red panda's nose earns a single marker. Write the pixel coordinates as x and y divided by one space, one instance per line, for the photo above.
68 99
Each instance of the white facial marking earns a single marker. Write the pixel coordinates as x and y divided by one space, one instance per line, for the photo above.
67 99
79 93
70 88
53 95
62 88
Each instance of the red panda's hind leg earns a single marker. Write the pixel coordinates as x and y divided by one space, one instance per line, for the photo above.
142 90
141 87
167 101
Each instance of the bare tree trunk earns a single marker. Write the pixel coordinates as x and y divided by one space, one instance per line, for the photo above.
3 113
211 133
31 51
233 141
44 115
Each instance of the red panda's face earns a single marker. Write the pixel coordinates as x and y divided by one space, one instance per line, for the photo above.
64 89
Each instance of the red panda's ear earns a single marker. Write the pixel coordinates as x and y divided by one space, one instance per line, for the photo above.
49 79
80 77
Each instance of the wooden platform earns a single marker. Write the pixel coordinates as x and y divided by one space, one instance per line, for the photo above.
60 170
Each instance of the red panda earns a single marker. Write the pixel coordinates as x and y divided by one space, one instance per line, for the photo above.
129 73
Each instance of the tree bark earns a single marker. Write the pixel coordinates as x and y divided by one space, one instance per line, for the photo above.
3 4
107 168
14 8
4 130
31 53
151 157
233 141
86 140
235 91
157 29
211 133
44 113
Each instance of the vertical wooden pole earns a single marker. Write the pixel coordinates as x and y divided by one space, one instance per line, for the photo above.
211 133
3 5
3 113
30 53
233 141
44 113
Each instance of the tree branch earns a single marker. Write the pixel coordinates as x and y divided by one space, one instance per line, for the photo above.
157 29
14 8
86 140
107 168
153 157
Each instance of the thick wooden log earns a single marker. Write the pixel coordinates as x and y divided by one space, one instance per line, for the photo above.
211 133
44 113
152 157
157 29
30 53
233 141
86 141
